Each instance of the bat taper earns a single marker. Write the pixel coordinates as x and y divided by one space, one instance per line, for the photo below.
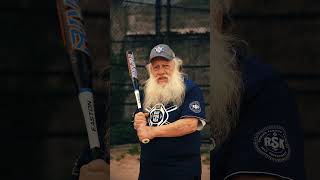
75 41
134 78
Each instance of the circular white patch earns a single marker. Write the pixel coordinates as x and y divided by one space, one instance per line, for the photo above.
159 49
195 106
158 115
272 143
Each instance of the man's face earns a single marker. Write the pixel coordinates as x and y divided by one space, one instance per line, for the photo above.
162 70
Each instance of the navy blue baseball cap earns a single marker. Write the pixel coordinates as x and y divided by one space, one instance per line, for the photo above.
161 50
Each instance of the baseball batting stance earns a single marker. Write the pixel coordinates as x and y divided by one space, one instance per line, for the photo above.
173 115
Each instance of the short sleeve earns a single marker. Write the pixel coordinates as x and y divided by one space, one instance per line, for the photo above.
268 139
194 106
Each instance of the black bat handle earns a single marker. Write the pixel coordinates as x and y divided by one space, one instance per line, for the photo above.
135 84
83 75
97 153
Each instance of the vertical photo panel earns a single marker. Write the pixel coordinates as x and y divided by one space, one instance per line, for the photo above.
160 53
264 89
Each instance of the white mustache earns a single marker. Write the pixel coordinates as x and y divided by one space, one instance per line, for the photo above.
164 76
172 91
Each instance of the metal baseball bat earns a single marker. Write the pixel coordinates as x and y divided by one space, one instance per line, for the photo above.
134 78
75 42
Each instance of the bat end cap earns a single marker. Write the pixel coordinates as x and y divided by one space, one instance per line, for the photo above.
145 141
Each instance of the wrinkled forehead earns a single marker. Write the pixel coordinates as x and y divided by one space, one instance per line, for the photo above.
160 61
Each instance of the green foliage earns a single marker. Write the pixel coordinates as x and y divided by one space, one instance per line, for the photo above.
120 157
123 133
204 150
206 159
118 75
134 150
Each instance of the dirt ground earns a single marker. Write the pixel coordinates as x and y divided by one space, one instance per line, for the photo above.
124 163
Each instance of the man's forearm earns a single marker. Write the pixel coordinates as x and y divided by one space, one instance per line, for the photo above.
178 128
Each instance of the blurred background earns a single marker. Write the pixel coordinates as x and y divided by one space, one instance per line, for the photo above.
286 34
42 127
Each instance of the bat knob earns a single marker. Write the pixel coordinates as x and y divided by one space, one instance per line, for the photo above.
97 153
145 141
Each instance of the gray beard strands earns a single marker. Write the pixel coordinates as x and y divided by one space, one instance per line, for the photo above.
225 89
172 92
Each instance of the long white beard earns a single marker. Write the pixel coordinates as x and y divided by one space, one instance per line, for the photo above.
171 92
225 87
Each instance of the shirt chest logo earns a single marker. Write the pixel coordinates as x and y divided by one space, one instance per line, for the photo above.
159 114
272 143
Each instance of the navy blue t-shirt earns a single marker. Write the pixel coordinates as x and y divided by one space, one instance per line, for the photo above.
174 157
268 139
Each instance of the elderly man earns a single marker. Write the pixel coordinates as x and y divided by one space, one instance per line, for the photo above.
254 120
174 114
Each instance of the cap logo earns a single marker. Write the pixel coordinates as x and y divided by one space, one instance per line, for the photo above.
159 49
272 143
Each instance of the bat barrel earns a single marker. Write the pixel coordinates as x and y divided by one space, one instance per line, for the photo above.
135 83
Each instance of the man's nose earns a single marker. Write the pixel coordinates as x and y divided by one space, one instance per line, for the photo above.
161 71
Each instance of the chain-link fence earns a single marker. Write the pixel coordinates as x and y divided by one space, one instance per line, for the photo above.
139 25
